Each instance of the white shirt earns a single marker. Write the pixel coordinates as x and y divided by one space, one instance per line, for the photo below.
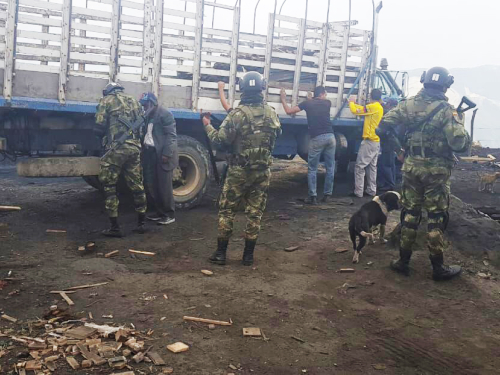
148 139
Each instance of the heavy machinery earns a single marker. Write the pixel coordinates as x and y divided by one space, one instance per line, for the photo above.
57 55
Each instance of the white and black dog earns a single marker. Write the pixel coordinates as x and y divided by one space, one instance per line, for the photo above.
370 215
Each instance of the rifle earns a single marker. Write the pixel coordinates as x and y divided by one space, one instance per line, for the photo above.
210 151
466 100
132 127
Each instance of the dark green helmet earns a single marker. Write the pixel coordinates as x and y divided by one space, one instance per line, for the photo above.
111 88
438 78
252 82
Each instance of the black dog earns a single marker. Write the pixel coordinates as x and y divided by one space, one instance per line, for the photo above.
370 215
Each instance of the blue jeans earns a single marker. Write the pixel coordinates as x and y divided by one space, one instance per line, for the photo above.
322 144
386 170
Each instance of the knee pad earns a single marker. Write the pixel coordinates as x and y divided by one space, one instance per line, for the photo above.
410 218
438 220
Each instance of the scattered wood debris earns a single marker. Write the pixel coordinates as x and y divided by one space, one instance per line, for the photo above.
55 231
291 248
298 339
208 321
341 250
81 333
112 253
82 287
81 248
132 251
255 332
207 272
178 347
156 358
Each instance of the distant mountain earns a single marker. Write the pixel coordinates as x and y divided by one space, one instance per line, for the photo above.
482 86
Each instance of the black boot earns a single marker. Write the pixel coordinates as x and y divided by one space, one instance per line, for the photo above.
115 230
441 271
141 224
219 257
248 252
402 265
312 200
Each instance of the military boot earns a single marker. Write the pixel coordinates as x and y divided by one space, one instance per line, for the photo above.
248 252
402 265
115 230
141 224
219 257
441 271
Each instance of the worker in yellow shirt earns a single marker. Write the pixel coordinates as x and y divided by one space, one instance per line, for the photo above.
370 146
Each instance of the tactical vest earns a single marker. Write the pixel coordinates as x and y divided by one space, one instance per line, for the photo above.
124 106
256 137
424 137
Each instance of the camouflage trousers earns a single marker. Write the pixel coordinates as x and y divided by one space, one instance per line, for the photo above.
125 159
249 187
425 189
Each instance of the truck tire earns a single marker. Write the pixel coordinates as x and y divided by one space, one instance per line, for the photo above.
192 178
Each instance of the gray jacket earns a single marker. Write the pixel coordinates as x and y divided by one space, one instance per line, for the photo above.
165 137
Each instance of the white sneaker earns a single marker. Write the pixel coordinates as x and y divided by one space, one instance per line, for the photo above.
166 220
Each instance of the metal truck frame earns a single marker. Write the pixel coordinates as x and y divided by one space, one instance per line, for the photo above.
57 55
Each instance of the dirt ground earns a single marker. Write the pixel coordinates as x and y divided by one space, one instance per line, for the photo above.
317 320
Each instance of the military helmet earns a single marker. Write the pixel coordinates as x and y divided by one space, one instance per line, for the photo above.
437 77
111 88
148 97
252 82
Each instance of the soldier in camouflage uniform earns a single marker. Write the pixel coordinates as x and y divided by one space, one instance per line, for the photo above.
433 130
251 130
125 158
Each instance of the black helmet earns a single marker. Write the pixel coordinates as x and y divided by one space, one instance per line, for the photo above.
252 82
437 77
111 88
148 97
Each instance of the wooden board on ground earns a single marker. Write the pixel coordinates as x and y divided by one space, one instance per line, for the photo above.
253 331
67 299
84 286
112 253
73 363
156 358
9 208
132 251
96 360
80 332
178 347
208 321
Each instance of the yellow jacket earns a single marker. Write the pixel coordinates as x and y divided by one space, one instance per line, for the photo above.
373 113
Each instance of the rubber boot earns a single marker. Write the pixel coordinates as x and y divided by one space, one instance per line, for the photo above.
440 271
219 257
402 265
248 252
141 224
115 230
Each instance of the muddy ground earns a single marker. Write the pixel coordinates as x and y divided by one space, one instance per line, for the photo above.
372 321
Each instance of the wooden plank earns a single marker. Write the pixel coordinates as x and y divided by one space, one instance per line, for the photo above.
298 63
167 53
36 67
100 15
90 42
96 360
86 286
148 51
181 42
141 252
80 333
284 30
197 54
10 37
251 51
130 63
112 253
42 4
38 35
218 32
92 28
132 4
66 298
180 13
178 68
175 82
115 30
343 61
285 43
364 59
32 20
131 34
158 40
233 69
156 358
208 321
253 38
103 59
10 208
65 47
178 26
125 19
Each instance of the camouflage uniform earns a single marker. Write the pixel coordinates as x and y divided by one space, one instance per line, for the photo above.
126 158
251 130
429 143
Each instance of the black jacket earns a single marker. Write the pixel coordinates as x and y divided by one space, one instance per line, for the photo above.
164 137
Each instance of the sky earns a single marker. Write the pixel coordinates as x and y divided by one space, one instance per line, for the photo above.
412 33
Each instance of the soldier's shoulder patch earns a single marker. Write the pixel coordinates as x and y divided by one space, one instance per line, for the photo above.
456 115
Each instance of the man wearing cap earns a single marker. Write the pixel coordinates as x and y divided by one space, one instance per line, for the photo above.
160 158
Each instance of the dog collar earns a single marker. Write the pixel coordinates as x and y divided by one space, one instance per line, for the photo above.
382 205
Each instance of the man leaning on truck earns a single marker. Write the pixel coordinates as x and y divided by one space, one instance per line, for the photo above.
322 140
113 108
